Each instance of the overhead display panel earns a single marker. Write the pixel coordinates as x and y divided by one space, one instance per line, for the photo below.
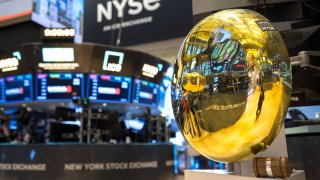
145 92
18 88
60 57
107 88
150 68
59 86
12 62
59 14
113 61
57 54
21 12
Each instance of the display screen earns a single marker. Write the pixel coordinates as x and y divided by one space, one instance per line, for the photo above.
109 88
145 92
18 88
59 14
56 54
11 10
56 86
2 91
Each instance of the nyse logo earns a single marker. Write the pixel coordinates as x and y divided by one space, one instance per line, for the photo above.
134 8
112 66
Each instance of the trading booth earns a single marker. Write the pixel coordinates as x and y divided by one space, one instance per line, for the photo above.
96 107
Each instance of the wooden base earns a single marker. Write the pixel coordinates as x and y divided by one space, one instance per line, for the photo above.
222 175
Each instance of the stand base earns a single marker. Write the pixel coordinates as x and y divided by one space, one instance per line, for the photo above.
222 175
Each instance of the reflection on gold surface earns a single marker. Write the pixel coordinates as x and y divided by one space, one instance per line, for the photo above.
232 85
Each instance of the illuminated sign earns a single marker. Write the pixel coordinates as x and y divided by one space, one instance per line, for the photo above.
110 56
151 71
59 32
134 8
9 64
57 54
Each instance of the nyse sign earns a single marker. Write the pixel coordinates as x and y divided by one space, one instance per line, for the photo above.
105 19
134 8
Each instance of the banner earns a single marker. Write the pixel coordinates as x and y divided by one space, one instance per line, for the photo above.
65 162
128 22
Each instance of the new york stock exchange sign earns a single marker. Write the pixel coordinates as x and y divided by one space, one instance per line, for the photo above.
135 21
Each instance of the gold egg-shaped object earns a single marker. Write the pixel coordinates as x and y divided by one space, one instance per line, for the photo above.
231 85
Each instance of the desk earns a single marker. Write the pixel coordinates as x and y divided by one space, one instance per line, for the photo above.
303 144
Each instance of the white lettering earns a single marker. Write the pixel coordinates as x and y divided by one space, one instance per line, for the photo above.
10 62
116 166
146 95
149 70
14 91
59 32
114 67
102 11
94 166
135 8
59 66
73 167
119 7
143 165
108 90
137 5
59 89
151 5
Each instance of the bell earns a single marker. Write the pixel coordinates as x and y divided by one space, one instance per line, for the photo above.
232 85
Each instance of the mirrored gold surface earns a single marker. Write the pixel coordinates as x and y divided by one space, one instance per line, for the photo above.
232 85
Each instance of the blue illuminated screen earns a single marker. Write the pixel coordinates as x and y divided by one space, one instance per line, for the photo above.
145 92
18 88
59 86
109 88
2 91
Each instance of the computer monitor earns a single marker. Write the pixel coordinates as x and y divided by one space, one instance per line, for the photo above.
18 88
145 92
59 86
106 88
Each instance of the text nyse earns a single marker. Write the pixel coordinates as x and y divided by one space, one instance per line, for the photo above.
135 8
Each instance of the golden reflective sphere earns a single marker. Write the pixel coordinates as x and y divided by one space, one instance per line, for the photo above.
231 85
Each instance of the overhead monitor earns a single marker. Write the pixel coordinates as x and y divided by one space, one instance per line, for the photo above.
57 54
105 88
145 92
14 11
59 14
59 86
2 91
18 88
